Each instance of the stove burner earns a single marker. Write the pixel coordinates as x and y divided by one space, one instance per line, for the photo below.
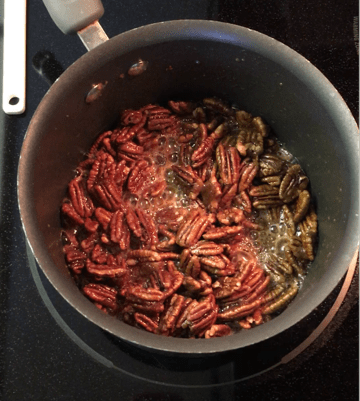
199 372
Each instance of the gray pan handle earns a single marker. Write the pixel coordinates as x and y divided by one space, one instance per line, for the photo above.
73 15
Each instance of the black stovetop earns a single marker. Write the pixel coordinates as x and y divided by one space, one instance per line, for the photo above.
49 352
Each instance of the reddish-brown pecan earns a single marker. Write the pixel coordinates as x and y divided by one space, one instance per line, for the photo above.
119 231
202 316
149 235
243 201
129 151
214 233
218 330
206 248
102 294
103 216
228 196
181 107
238 311
206 148
229 216
109 269
68 209
228 161
191 178
138 175
211 192
146 322
189 264
81 203
192 228
168 321
165 245
225 287
247 174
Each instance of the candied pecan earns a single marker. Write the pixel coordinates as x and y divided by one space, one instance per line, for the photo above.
302 206
119 231
106 270
229 216
218 330
137 177
243 201
228 161
190 176
192 228
102 294
218 106
149 232
292 184
206 248
129 151
146 322
167 244
214 233
81 203
168 320
75 258
122 135
247 174
206 148
308 228
69 211
226 286
103 217
270 165
211 192
238 311
130 116
274 181
189 264
228 196
181 107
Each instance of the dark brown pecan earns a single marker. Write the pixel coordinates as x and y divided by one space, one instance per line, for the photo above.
102 294
270 165
292 184
218 106
308 228
103 216
302 206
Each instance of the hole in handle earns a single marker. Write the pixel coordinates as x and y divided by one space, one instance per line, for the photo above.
14 101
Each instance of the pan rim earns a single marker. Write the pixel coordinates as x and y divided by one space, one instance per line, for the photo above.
232 32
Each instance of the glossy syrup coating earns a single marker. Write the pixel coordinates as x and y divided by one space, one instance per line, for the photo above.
189 220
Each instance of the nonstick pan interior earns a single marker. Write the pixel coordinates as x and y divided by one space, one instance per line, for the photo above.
191 60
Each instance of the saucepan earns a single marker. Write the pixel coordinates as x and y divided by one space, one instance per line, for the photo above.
189 59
